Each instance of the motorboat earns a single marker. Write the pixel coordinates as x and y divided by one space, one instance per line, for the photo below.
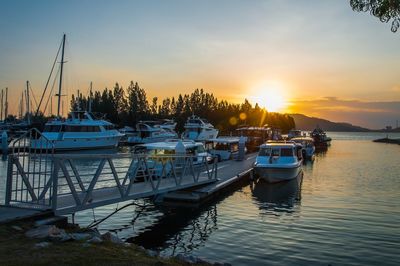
294 133
255 136
320 137
180 149
151 131
278 161
80 131
168 124
199 129
225 148
127 132
307 144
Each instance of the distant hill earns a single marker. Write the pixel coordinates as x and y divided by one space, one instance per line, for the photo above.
304 122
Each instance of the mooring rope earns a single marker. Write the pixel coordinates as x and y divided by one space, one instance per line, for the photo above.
96 223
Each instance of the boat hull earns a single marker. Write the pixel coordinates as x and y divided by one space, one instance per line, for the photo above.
277 174
76 144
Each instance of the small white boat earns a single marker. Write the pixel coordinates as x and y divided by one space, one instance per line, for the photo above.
151 131
157 150
172 147
79 132
225 148
278 161
199 129
308 145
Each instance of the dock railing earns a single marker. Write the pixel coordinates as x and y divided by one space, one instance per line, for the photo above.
66 183
29 170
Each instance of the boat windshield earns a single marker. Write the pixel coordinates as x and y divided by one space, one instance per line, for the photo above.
52 128
286 152
222 146
265 152
194 121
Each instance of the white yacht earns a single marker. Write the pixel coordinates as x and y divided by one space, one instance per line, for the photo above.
278 161
308 145
151 131
168 124
199 129
80 131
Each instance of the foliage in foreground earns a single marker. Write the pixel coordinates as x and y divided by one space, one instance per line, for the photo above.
385 10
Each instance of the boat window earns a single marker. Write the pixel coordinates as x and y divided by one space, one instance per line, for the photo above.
194 121
95 129
275 152
52 128
286 152
235 147
222 146
265 152
109 127
141 127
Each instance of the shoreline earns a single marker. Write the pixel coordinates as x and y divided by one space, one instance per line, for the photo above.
48 244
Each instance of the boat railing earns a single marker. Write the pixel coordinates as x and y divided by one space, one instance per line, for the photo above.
67 183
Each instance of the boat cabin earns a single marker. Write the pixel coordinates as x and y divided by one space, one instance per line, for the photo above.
195 149
225 148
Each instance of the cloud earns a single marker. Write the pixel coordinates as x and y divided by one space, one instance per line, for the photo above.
363 113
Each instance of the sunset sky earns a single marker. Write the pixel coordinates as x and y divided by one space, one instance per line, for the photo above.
318 58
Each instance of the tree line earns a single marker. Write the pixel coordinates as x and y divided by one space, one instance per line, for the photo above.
127 107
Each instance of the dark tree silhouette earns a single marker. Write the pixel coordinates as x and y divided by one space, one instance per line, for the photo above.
130 106
385 10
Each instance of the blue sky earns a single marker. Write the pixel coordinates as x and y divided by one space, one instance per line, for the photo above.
311 49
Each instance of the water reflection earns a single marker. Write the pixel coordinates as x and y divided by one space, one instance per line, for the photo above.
277 197
167 233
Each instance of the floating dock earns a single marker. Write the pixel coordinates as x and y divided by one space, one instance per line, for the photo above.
229 172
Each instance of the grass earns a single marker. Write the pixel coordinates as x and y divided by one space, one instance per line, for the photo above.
16 249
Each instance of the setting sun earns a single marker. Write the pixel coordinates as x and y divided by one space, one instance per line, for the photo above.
269 96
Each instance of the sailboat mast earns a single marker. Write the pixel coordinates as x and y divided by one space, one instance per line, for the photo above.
1 112
6 105
61 73
90 98
28 109
21 105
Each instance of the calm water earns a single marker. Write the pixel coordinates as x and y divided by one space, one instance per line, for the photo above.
345 211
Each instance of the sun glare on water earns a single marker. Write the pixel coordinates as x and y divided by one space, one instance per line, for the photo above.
269 97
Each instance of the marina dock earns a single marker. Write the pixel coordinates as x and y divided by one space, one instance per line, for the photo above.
229 172
61 185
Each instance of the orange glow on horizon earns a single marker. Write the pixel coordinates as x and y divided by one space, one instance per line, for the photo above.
269 95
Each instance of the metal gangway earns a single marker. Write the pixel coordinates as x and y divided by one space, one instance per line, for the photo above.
66 183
